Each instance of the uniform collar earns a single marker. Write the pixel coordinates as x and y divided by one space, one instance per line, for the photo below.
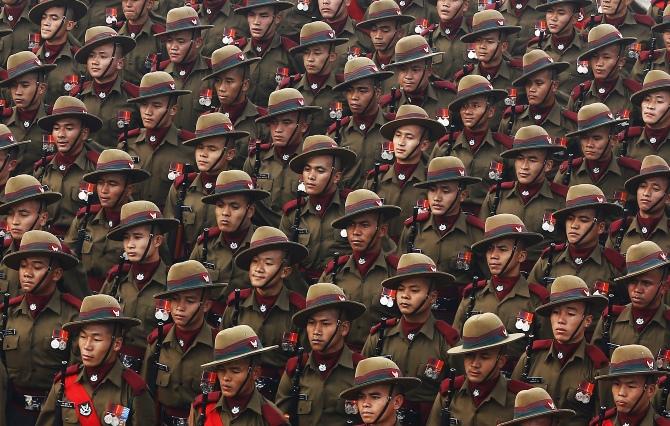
419 174
427 329
554 116
462 30
80 161
14 118
282 301
116 87
498 394
255 404
618 88
204 336
661 226
303 84
146 29
504 71
612 168
380 262
627 316
519 289
65 52
114 375
461 224
545 191
221 242
596 255
54 304
159 277
345 360
488 140
378 122
430 94
274 43
198 65
335 203
580 352
575 43
171 137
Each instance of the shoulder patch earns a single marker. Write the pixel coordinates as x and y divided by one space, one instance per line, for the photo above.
468 288
291 205
632 85
292 364
391 322
579 89
559 189
386 98
474 221
288 81
444 139
542 344
211 397
506 140
539 291
630 132
516 386
263 147
630 163
132 90
272 415
340 261
465 70
71 300
458 383
615 259
557 248
576 162
448 332
131 134
392 260
420 218
70 370
296 300
136 382
213 232
597 356
445 85
157 28
94 209
190 177
503 185
153 336
244 293
570 115
115 270
516 63
333 126
356 358
382 169
185 135
616 310
163 64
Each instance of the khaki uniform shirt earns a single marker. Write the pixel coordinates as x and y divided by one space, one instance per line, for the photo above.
660 62
18 39
617 99
252 415
455 51
246 122
135 61
526 18
31 152
651 419
635 234
610 181
222 19
66 66
434 99
555 123
641 147
96 16
322 96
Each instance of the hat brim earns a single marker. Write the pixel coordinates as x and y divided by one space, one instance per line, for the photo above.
279 5
214 364
546 6
465 180
663 26
387 211
66 261
247 61
35 13
613 122
636 98
622 41
175 93
529 238
627 277
561 413
255 194
379 75
197 27
346 156
458 350
233 136
438 277
133 175
91 121
13 144
167 293
165 225
401 19
610 210
496 94
349 308
407 384
127 44
507 29
309 109
45 68
46 197
559 67
334 41
638 373
632 183
295 251
513 152
436 129
595 302
125 322
409 61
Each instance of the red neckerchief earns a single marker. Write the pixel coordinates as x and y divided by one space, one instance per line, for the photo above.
543 112
289 150
100 372
212 8
644 314
582 253
384 60
187 337
338 26
404 169
565 41
486 71
239 401
447 221
329 360
416 98
410 327
103 88
366 120
649 223
369 258
143 272
15 12
608 85
235 237
268 301
566 349
507 284
452 25
616 22
186 68
634 419
25 115
518 11
263 44
483 390
322 200
134 29
317 79
53 50
599 165
207 178
40 302
159 134
234 111
659 134
64 160
529 190
477 137
113 216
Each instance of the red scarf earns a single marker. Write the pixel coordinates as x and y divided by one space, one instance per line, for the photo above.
53 50
617 22
477 137
543 112
100 371
370 259
206 178
159 134
483 390
447 221
319 80
113 215
649 223
489 71
529 190
566 349
236 237
186 336
40 302
659 134
64 160
145 271
507 284
452 25
103 88
15 12
366 120
289 150
212 8
239 401
600 165
634 419
410 327
338 26
323 200
556 41
404 169
608 85
25 115
268 301
383 60
234 111
581 253
645 314
186 68
263 44
329 360
134 29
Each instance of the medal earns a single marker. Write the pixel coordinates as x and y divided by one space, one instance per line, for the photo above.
537 117
525 193
152 138
596 170
500 288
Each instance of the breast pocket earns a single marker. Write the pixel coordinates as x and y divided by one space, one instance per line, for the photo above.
188 217
11 342
304 407
163 378
265 184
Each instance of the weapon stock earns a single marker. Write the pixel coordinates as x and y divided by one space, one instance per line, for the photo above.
379 347
178 240
236 313
445 417
295 389
568 172
333 273
152 374
472 298
414 230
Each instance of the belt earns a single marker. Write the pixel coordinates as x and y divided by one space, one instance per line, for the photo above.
27 398
175 416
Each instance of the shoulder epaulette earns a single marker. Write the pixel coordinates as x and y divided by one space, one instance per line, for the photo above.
608 414
356 358
70 370
284 83
131 133
557 248
644 19
616 310
333 126
389 116
421 217
79 88
466 70
131 89
632 85
503 185
211 397
71 300
93 209
616 225
213 232
386 99
340 261
644 55
292 364
615 258
468 288
287 43
559 189
92 156
41 163
271 415
506 140
474 221
163 64
244 293
516 63
180 179
542 344
185 135
6 112
539 291
576 162
516 386
136 382
518 109
391 322
392 260
630 132
157 28
577 90
449 333
115 270
570 115
153 336
446 384
291 205
382 169
534 40
597 356
263 146
630 163
444 139
445 85
296 300
6 242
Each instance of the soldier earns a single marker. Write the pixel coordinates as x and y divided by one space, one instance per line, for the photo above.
220 14
526 15
446 37
288 119
643 320
235 363
416 341
483 395
620 15
316 378
32 318
72 127
100 388
9 154
27 82
379 390
186 64
416 78
650 189
535 407
134 281
56 20
15 23
307 218
649 60
232 82
412 133
365 224
531 196
653 100
477 146
566 365
507 292
632 377
159 144
336 14
268 306
359 131
604 52
599 165
176 350
114 178
584 219
100 12
214 144
266 43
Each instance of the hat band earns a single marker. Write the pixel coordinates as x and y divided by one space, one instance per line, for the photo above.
443 174
6 139
493 337
489 24
69 110
269 240
539 141
385 13
361 72
656 83
509 228
140 217
320 145
99 37
326 36
377 375
632 366
584 200
26 191
23 67
600 119
666 19
539 63
609 37
649 261
238 348
654 169
475 89
183 24
218 129
188 282
162 88
411 115
236 185
365 204
115 165
228 62
41 245
106 313
416 268
325 299
570 294
416 53
286 105
535 408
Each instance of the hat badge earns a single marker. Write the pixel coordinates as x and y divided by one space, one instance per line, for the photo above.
378 202
240 56
131 164
205 276
331 34
153 215
426 49
433 268
609 115
394 373
301 102
194 21
663 256
11 138
254 343
54 247
518 228
585 291
342 298
41 189
501 22
461 172
504 332
250 185
600 199
38 62
116 312
650 364
551 405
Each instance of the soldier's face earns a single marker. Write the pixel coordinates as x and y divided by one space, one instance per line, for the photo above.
263 22
540 89
613 7
320 176
569 321
578 228
475 113
413 77
502 259
33 270
182 46
23 91
489 47
136 243
531 166
415 296
111 187
9 166
371 403
652 195
632 393
666 39
231 211
362 232
384 34
155 112
483 365
443 198
236 378
409 141
210 155
595 142
24 217
644 290
560 19
94 341
104 62
285 129
231 86
185 308
324 324
135 9
52 24
656 109
361 95
606 62
449 9
68 132
317 59
333 9
264 267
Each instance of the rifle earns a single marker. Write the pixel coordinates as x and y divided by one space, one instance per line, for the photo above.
81 232
379 347
333 273
582 95
530 338
496 198
123 122
375 181
621 232
568 173
60 400
546 279
663 361
473 295
623 149
154 363
650 61
48 147
178 238
257 161
295 389
205 250
445 417
392 105
604 288
5 318
336 115
414 230
601 415
295 229
236 313
511 101
119 277
206 385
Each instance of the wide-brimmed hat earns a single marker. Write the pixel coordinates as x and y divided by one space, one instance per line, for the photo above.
228 57
22 188
587 196
215 124
138 213
411 48
604 35
569 288
247 5
97 36
22 63
78 8
378 370
116 161
446 169
183 18
38 243
531 137
317 145
505 225
185 276
383 10
547 4
363 201
317 32
322 296
158 83
234 182
7 140
411 114
538 60
475 85
652 166
533 403
483 331
643 257
101 309
266 238
286 100
631 360
486 21
67 106
362 67
236 343
592 116
417 265
665 21
654 81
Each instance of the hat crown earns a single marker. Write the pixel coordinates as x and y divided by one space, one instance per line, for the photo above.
40 240
588 112
69 104
98 32
25 58
213 120
362 195
412 43
318 142
489 15
374 367
143 208
653 163
99 301
20 183
534 401
191 270
157 77
532 132
267 235
227 177
632 359
240 334
472 82
180 13
415 262
113 155
317 30
534 56
411 111
603 30
324 291
644 252
583 190
439 164
569 284
227 54
379 6
481 325
504 220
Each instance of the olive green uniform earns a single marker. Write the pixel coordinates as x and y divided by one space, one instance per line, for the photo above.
31 152
525 17
322 96
135 63
246 123
66 66
611 180
21 29
617 99
433 100
557 122
224 18
656 61
635 233
641 146
455 51
96 16
258 412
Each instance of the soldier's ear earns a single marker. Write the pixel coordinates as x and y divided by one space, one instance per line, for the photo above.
206 305
57 273
120 64
523 255
491 112
41 88
69 25
230 154
245 85
554 86
11 165
398 401
173 110
118 342
548 165
337 177
332 56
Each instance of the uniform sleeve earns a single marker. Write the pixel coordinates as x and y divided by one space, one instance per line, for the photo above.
283 392
571 105
459 318
516 374
537 272
370 345
74 282
486 207
248 167
558 178
197 252
145 362
227 318
638 71
46 417
402 242
71 234
596 339
170 203
437 151
286 223
145 409
436 411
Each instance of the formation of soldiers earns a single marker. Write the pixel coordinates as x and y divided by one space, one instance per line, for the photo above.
334 212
